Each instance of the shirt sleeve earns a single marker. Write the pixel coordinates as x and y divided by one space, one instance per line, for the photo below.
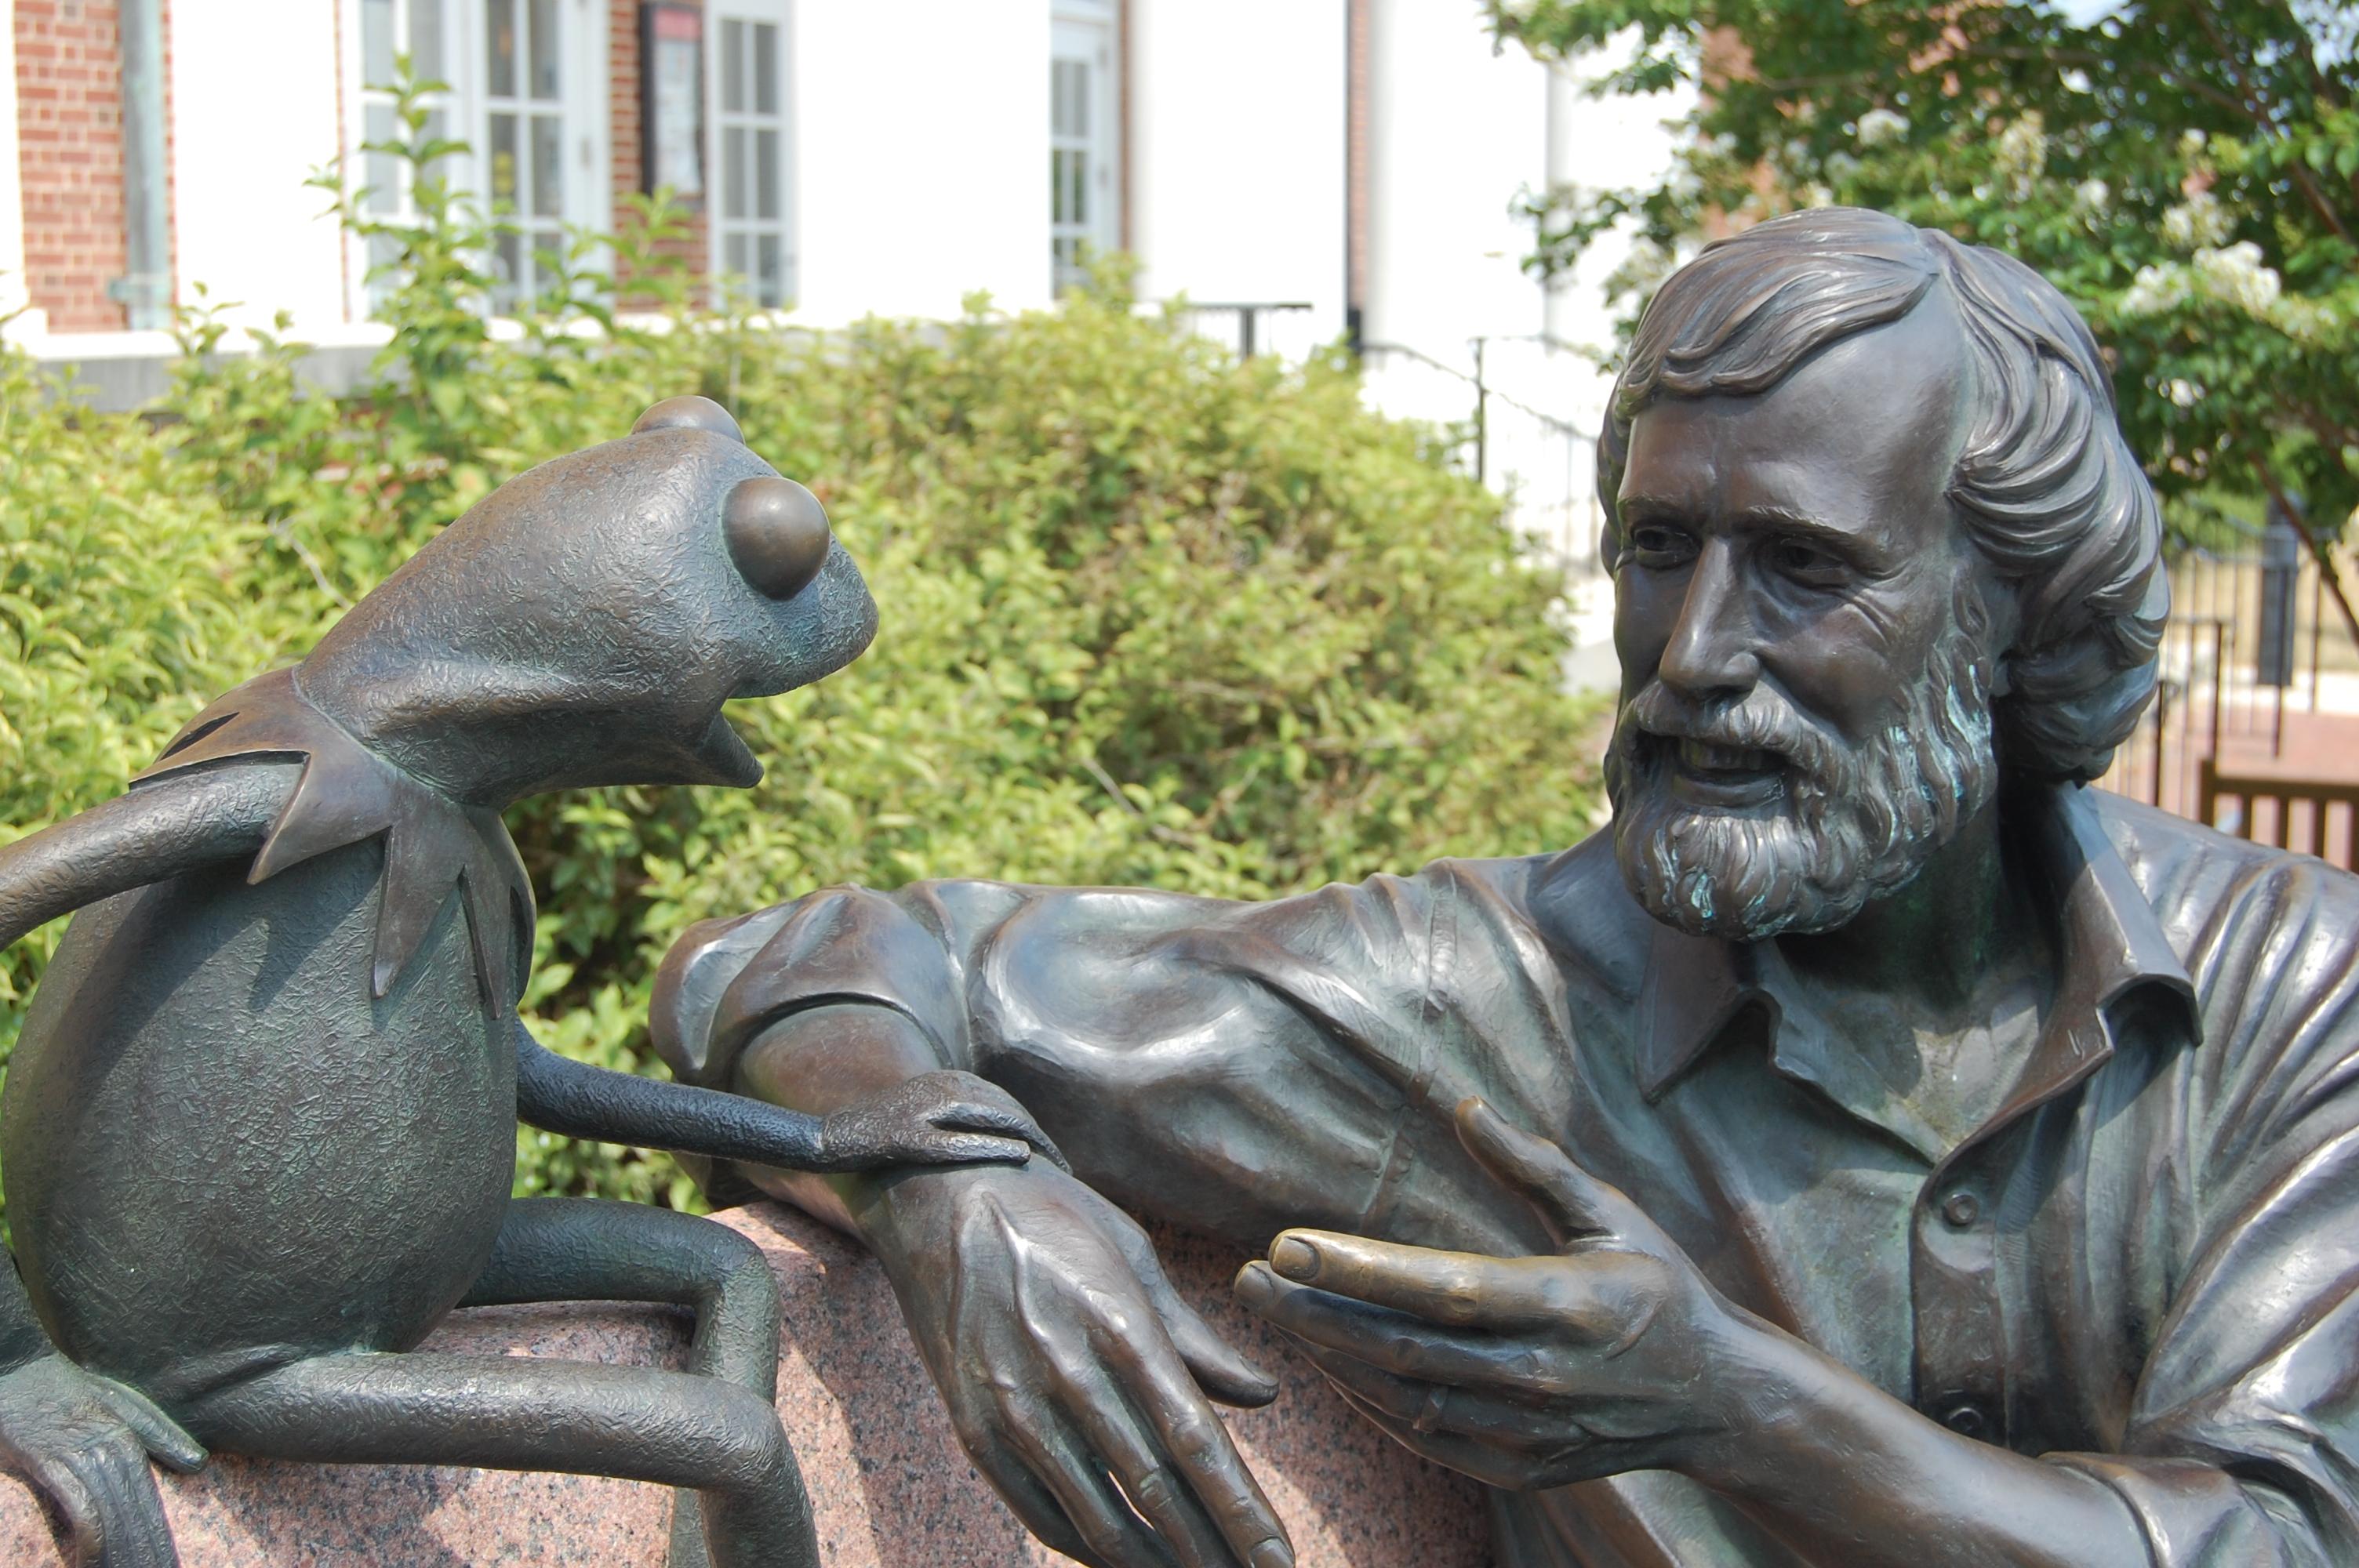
2242 1445
1237 1067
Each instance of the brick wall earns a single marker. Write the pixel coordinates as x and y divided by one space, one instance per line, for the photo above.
70 148
70 141
627 129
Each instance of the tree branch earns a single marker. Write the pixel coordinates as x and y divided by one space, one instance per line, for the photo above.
2257 107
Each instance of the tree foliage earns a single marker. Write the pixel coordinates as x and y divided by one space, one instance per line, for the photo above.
1150 615
2186 170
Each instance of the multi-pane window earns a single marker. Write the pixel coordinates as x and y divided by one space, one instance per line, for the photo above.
752 221
522 91
524 126
1083 217
388 29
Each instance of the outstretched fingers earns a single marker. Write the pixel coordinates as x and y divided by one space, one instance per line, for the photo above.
1390 1340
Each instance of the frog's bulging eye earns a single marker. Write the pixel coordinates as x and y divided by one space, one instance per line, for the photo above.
689 413
777 534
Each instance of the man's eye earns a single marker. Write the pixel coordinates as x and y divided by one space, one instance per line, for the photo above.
1808 565
1655 545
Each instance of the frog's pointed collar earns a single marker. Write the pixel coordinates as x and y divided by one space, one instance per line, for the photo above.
348 794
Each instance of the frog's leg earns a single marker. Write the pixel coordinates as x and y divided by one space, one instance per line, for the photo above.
554 1249
518 1412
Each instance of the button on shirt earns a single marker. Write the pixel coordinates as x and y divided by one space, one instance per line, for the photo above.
2144 1266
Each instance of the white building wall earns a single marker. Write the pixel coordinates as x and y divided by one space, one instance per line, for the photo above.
922 155
1237 191
254 113
1456 131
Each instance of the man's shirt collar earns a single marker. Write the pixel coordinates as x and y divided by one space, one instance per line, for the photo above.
2110 945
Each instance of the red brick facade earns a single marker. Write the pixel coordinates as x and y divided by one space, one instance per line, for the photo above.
69 154
70 140
626 130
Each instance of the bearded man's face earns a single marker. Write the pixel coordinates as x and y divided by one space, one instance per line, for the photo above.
1807 674
1843 826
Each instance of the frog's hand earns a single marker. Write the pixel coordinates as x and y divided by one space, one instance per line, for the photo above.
175 824
84 1441
935 1118
938 1118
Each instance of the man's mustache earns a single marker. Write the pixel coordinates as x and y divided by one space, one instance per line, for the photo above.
1760 721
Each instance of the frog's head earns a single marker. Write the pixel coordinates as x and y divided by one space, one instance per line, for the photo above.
584 623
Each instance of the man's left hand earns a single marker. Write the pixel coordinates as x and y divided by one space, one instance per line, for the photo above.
1612 1354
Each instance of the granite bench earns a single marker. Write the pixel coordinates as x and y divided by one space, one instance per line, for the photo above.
890 1486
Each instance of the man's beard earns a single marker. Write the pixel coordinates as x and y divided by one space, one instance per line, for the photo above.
1850 825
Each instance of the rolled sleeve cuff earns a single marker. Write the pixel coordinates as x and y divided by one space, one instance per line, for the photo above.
2196 1515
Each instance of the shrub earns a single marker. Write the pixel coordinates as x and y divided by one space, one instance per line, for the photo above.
1151 615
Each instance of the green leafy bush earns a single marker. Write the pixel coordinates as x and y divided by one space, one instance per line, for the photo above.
1150 615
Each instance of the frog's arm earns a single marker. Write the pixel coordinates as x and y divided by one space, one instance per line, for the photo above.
938 1118
155 832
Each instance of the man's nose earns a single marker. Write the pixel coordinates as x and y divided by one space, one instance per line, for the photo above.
1712 646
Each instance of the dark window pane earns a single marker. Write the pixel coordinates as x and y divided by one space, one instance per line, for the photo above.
548 168
500 44
381 171
504 160
376 42
1060 75
508 259
765 67
733 67
438 127
732 172
1078 169
769 284
426 38
543 38
733 255
1080 96
765 174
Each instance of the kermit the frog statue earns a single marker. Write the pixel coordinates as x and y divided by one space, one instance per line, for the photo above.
258 1132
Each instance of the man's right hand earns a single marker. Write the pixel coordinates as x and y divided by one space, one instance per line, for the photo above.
1066 1358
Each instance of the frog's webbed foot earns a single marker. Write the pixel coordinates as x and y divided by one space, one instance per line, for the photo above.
934 1119
84 1441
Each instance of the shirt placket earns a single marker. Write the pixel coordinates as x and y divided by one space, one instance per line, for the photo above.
1961 1329
1957 1297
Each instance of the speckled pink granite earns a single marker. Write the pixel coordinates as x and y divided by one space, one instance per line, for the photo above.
889 1484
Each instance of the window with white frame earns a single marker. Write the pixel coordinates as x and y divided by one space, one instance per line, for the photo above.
750 207
389 29
525 91
1084 214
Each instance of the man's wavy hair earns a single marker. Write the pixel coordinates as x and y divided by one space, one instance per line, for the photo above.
2045 484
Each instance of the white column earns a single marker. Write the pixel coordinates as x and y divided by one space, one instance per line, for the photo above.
254 112
1237 157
